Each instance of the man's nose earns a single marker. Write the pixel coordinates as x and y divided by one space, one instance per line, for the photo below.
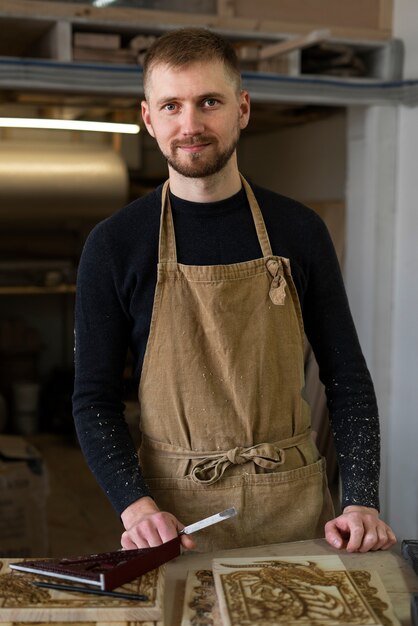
192 121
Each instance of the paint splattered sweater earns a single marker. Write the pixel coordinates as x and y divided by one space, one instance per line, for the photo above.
115 290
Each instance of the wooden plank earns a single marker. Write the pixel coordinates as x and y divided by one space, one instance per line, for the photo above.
250 58
353 14
142 19
276 57
297 43
225 7
101 55
104 41
386 15
21 601
200 599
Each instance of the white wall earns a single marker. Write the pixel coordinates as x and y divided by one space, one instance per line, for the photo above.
381 274
306 162
403 456
372 135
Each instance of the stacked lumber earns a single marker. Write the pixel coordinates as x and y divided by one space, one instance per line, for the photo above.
107 48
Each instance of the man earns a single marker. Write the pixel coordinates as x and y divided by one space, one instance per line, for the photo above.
217 337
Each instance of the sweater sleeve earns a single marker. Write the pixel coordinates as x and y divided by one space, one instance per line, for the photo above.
102 330
349 388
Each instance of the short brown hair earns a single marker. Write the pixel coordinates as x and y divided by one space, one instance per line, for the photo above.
187 45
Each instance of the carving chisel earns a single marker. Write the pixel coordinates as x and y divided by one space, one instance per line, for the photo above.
208 521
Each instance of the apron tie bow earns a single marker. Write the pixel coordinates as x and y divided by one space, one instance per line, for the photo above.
277 291
236 456
210 469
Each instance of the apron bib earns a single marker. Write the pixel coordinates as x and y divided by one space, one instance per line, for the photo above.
223 420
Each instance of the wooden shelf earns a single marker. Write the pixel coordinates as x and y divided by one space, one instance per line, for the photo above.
354 20
41 61
25 290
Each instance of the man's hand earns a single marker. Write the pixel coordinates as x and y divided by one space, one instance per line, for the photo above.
147 526
359 529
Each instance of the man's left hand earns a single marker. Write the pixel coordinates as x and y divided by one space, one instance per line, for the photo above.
359 529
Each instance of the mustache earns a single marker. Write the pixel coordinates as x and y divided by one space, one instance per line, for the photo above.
192 141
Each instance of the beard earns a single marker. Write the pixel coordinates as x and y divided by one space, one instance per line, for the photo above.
197 164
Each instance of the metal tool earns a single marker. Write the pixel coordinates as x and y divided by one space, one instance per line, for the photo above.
208 521
95 592
109 570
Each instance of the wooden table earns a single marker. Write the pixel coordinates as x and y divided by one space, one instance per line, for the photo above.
396 574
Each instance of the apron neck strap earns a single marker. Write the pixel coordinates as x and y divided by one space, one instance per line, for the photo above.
167 242
260 226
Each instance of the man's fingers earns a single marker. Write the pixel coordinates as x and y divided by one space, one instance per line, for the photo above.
134 538
369 540
127 543
188 543
359 529
146 535
332 535
357 533
390 539
163 527
336 533
382 537
154 529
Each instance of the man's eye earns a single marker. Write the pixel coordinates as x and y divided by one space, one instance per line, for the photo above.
211 102
169 107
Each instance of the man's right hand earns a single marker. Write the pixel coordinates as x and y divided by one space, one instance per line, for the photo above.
147 526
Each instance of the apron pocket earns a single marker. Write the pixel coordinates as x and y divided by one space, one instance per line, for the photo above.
272 508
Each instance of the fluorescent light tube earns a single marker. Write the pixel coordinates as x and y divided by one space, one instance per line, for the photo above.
101 127
102 3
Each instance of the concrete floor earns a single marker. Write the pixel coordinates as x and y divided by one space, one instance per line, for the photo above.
80 519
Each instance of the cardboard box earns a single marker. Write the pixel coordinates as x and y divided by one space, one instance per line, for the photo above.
23 496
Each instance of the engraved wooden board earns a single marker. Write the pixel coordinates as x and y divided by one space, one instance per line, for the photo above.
200 606
20 601
87 623
296 591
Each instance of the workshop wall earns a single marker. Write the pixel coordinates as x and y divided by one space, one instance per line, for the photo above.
403 474
306 162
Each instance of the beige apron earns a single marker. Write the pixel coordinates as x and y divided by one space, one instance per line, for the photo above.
223 419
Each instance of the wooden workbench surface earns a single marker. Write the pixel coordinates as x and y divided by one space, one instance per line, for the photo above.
396 574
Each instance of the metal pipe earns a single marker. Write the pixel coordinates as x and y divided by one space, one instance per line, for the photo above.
56 180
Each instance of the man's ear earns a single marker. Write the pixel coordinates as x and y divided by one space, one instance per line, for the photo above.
244 109
146 117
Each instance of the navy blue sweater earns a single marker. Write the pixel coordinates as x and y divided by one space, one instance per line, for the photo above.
115 291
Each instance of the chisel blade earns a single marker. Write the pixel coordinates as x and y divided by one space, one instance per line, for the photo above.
208 521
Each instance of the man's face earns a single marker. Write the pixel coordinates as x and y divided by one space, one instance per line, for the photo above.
195 113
